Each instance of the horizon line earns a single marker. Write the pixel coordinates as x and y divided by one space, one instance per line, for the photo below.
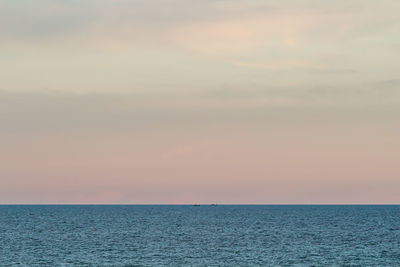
200 204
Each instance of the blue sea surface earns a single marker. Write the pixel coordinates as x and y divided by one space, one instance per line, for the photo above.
223 235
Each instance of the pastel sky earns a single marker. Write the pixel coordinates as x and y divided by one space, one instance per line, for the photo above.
215 101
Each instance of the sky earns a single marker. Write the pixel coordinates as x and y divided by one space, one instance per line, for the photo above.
215 101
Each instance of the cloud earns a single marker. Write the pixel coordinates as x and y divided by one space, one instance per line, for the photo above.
48 111
293 64
204 26
125 45
387 84
28 20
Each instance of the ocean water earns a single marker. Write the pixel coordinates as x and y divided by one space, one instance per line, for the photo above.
200 236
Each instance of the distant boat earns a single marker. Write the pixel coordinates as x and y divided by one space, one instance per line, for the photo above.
214 204
196 205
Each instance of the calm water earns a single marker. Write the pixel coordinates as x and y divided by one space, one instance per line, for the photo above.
200 236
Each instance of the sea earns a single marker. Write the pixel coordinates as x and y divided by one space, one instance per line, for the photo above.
205 235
